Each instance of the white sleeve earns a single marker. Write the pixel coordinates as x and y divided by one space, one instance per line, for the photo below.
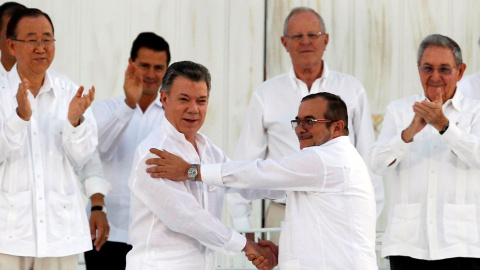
172 203
112 121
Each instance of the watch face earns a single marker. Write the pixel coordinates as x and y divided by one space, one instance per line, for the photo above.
192 172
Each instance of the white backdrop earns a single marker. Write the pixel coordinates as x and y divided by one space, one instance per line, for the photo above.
374 40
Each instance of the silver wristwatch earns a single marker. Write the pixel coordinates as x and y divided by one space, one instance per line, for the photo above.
192 172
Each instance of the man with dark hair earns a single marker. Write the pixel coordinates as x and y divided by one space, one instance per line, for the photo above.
47 130
265 132
177 226
431 153
330 210
123 122
6 11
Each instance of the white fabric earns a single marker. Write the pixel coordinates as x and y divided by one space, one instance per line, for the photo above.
176 225
434 199
41 209
470 85
120 131
9 262
3 71
330 214
267 132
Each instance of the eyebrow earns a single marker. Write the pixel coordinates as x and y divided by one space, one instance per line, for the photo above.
44 34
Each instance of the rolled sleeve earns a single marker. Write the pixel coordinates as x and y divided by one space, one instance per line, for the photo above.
236 244
95 185
212 174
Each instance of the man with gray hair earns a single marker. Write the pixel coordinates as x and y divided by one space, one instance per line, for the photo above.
177 225
431 154
266 132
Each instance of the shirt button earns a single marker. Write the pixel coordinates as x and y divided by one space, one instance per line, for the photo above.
41 220
38 176
431 221
432 172
40 198
10 236
36 155
34 133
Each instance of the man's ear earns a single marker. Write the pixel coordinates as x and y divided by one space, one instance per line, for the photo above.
163 98
11 46
338 127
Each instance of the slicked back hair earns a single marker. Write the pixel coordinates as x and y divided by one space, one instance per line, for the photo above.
25 13
336 108
188 69
151 41
437 40
301 10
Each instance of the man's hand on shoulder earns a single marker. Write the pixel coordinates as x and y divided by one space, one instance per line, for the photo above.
168 166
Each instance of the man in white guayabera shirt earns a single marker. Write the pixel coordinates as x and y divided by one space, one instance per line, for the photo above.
123 122
176 225
330 211
46 129
429 148
266 134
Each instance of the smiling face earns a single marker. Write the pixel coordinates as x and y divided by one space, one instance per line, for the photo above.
186 106
319 133
151 65
306 52
433 59
32 60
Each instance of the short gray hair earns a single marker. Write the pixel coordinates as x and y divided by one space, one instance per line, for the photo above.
301 10
188 69
437 40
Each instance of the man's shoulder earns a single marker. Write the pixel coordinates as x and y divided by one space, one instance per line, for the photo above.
402 103
350 79
155 139
273 84
62 81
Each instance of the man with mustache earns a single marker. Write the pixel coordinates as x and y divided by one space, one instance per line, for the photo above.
430 148
330 210
123 122
266 132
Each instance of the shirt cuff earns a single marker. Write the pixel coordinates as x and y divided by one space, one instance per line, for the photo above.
452 136
236 244
95 185
212 174
398 146
17 124
75 132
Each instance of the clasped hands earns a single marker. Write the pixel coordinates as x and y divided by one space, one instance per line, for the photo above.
264 254
426 112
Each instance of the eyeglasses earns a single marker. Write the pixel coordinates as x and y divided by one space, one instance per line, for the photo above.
308 123
310 36
46 43
442 70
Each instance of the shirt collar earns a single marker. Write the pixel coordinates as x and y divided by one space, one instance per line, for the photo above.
14 80
296 81
170 130
455 101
